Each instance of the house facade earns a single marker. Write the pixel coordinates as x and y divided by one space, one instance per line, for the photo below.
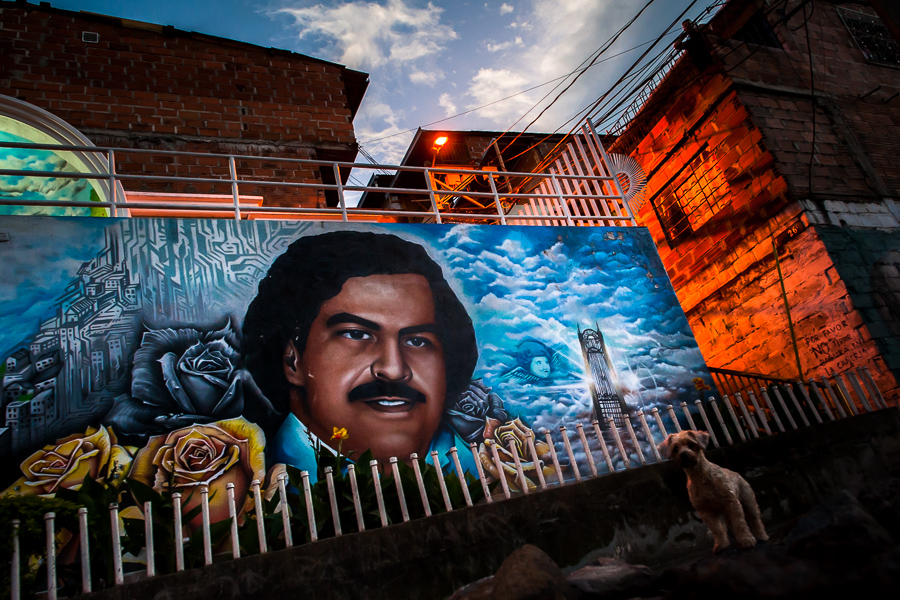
772 186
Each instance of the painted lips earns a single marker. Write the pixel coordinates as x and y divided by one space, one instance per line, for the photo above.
387 396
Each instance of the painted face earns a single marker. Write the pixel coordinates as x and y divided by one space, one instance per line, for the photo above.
540 366
373 364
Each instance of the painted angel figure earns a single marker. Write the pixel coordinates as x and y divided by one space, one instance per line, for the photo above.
537 363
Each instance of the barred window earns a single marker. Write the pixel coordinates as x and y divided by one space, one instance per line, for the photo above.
691 199
872 37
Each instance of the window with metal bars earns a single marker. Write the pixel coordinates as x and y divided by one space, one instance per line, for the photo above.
692 197
872 37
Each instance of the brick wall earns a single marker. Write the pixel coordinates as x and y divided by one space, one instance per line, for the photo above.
152 87
742 130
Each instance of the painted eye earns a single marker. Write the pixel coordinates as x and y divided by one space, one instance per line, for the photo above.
355 334
417 342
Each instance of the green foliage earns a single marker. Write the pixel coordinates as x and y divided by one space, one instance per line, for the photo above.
30 511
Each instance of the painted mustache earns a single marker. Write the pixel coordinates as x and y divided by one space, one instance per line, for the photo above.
385 389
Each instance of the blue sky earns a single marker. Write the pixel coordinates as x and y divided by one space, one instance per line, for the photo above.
432 60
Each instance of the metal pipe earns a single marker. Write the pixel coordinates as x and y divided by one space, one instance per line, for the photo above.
800 411
634 440
854 382
784 407
310 512
480 469
148 538
50 530
376 479
260 524
520 474
837 403
687 415
436 461
720 420
15 575
529 437
179 534
822 400
332 499
765 396
559 474
760 413
659 422
499 465
751 424
460 475
354 491
84 547
286 510
674 418
649 435
615 433
734 419
118 576
204 511
587 449
802 387
395 470
568 445
232 515
421 484
606 457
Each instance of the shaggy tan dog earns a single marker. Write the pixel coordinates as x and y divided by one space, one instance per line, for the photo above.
720 496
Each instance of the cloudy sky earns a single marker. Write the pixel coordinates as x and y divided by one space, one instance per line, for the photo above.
498 62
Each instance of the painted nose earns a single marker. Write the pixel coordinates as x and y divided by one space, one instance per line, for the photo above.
390 364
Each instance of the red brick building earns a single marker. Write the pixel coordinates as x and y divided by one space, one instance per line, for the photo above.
128 84
770 149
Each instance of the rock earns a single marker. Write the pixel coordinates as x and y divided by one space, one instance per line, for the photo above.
527 574
611 578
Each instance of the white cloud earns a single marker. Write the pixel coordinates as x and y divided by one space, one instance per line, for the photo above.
368 34
490 85
447 104
429 77
506 9
505 45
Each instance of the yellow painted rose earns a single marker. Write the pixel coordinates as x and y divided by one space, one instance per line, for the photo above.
65 463
213 455
515 432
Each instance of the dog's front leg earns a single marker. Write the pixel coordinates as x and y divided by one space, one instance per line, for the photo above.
734 514
714 521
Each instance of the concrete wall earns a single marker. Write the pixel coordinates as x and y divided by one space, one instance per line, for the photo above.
153 87
642 515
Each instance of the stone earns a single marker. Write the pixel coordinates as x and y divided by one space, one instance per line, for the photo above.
611 578
527 574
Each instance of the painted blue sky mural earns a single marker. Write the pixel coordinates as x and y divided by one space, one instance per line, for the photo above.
91 308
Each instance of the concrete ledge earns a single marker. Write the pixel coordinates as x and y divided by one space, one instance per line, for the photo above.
642 515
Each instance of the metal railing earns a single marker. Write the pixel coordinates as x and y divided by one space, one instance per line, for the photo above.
561 193
766 407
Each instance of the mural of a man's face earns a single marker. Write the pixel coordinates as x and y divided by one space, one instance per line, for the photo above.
540 366
373 364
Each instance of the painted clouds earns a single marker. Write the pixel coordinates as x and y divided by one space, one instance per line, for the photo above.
544 283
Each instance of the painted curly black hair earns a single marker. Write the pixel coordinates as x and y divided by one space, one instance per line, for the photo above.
311 271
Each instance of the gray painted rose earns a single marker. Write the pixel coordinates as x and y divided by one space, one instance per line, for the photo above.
181 377
473 409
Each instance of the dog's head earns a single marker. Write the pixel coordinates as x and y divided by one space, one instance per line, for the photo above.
684 448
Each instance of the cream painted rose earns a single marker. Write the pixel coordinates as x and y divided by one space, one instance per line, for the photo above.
69 460
212 455
514 432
